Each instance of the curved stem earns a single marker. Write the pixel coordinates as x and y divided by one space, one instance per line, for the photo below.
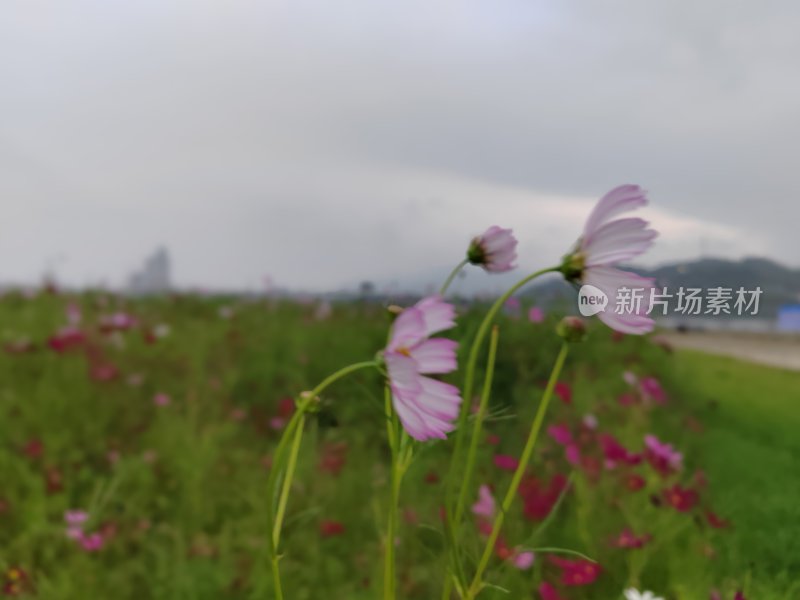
469 381
401 449
287 481
452 276
469 378
475 586
473 446
293 431
391 532
477 425
339 374
276 577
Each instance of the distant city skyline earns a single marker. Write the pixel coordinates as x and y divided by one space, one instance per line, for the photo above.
321 144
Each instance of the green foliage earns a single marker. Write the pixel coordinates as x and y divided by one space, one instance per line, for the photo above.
179 489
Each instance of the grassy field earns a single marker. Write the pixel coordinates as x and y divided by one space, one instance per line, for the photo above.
751 452
162 431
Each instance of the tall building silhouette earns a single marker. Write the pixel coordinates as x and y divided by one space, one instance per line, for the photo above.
154 277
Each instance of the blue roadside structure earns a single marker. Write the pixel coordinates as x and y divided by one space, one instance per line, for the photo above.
789 318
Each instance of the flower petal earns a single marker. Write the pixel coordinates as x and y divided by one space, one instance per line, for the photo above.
610 281
403 374
523 560
617 241
619 200
485 506
437 355
410 417
408 329
438 399
437 314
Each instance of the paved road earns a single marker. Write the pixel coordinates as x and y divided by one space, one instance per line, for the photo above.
765 348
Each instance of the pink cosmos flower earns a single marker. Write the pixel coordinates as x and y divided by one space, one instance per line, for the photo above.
627 539
563 391
161 399
521 559
577 572
651 390
73 314
615 453
572 452
505 462
285 411
120 321
540 497
512 307
662 456
630 378
535 315
329 528
485 506
75 520
495 250
716 521
605 243
92 542
99 370
426 407
680 498
66 339
75 517
560 433
548 592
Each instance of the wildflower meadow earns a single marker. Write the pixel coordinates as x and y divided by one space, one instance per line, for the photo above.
195 446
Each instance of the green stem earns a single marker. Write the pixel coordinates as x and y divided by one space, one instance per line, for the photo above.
473 446
287 481
469 378
401 453
339 374
475 586
452 276
469 381
276 577
476 427
391 533
293 431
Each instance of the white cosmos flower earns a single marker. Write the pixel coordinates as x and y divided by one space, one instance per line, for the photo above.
633 594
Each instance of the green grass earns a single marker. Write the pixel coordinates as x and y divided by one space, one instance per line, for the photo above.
751 452
184 492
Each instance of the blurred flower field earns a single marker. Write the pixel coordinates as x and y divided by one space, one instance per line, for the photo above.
137 438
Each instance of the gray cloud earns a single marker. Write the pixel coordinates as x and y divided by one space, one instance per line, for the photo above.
324 143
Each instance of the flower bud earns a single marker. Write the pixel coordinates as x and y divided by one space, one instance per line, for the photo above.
308 403
495 250
572 329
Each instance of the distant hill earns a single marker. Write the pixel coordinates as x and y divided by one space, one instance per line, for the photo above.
780 284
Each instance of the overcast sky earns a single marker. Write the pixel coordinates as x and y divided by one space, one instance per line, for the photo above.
323 143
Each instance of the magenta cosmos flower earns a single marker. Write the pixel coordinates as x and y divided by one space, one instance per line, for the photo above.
606 242
426 407
495 250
